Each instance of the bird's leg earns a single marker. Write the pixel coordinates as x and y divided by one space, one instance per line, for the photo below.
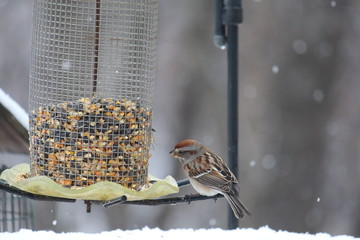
188 197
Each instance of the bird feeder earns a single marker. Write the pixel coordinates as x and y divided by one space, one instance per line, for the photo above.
91 89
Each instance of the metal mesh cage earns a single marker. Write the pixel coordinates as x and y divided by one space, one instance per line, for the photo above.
15 212
91 89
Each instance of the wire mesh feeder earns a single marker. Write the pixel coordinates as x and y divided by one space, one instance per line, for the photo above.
91 91
15 212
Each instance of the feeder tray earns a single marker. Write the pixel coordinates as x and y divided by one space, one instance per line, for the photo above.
18 177
5 186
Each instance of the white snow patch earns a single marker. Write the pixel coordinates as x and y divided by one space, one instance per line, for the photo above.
275 69
66 65
269 161
299 46
15 109
263 233
212 222
318 95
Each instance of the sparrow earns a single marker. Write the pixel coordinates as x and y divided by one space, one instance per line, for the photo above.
209 174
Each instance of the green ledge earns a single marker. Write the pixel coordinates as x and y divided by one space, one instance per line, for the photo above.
101 191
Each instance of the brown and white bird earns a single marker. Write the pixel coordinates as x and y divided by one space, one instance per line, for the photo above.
209 174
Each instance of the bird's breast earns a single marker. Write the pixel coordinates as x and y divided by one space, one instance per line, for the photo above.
202 189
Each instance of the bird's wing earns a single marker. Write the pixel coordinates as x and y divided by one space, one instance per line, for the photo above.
216 176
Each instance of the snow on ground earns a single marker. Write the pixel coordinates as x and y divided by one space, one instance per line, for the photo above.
16 110
263 233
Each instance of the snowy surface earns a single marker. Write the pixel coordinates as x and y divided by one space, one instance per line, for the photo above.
16 110
263 233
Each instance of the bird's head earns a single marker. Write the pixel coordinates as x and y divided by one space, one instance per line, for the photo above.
187 150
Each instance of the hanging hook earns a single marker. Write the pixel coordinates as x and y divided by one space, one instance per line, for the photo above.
227 12
219 36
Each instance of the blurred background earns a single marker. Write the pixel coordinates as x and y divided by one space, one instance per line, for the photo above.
299 114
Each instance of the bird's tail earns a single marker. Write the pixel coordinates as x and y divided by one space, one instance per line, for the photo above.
237 206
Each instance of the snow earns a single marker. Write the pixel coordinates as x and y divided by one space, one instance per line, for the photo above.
252 163
299 46
269 161
66 65
15 109
264 233
275 69
318 95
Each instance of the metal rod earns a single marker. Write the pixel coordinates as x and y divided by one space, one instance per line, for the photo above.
20 210
110 203
4 212
32 217
183 182
162 201
187 198
25 214
156 202
12 203
232 16
96 46
233 111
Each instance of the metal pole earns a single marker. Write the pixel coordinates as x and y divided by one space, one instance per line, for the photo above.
231 17
232 111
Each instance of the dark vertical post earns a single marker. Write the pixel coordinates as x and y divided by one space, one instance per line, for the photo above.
232 111
232 16
32 218
4 213
19 200
12 206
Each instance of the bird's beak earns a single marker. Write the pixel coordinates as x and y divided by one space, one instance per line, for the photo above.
174 154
